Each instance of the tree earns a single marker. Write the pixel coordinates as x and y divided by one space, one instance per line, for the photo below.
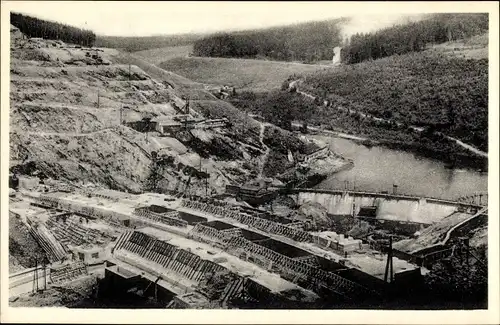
459 279
35 27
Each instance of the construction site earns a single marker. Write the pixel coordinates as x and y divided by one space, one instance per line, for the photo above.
202 252
147 191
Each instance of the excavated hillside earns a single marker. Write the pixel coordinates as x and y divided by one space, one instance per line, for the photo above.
66 106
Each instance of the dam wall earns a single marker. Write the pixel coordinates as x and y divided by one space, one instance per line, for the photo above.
388 207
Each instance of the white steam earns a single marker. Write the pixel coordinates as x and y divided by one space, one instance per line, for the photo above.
372 23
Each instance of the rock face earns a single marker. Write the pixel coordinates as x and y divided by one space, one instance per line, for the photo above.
67 108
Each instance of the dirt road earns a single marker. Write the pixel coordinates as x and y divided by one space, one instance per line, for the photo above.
416 128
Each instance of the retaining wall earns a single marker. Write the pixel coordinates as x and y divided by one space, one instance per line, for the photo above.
418 210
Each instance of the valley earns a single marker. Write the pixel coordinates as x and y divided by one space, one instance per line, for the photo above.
296 167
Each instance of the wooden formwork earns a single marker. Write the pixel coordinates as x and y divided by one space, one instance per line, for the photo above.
179 261
68 272
166 218
286 265
252 221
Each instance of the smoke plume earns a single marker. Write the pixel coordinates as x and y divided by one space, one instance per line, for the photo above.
372 23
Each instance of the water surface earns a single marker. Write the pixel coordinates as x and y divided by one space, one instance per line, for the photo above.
377 169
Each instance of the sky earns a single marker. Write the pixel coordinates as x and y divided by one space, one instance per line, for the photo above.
129 18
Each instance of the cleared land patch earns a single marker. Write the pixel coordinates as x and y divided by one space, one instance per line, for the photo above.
244 74
159 55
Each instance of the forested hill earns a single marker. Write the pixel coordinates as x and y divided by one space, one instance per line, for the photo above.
311 41
314 41
35 27
438 92
424 89
141 43
414 36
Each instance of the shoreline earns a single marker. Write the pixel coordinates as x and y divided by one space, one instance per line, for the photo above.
465 162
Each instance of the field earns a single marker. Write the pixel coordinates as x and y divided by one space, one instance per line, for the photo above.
244 74
65 121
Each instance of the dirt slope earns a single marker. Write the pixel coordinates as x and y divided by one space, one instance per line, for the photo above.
66 104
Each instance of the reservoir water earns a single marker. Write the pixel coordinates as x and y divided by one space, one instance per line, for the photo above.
377 169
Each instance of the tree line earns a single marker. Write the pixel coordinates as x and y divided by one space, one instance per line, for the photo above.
302 42
445 93
414 36
35 27
141 43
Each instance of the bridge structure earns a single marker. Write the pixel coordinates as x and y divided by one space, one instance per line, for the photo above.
480 198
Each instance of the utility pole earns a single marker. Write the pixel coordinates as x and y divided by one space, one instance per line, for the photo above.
44 276
206 185
389 265
98 95
35 277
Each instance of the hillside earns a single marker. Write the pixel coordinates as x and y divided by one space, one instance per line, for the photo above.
65 122
436 99
426 89
244 74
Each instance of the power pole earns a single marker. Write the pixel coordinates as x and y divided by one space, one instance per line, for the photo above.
389 265
206 185
44 276
98 95
35 277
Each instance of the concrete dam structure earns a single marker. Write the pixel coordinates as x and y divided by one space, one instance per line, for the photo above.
386 206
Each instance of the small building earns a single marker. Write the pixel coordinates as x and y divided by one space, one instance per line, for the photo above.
15 34
167 125
89 254
330 240
28 182
170 124
120 278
